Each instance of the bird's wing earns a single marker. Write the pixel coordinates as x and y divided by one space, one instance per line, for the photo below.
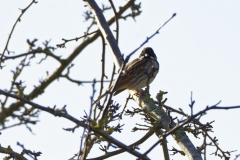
131 70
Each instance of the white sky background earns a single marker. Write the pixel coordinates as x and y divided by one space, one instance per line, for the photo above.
198 51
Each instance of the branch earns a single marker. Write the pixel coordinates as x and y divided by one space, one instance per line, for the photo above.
113 153
33 154
16 85
62 45
148 38
9 37
106 32
78 82
46 50
116 19
204 129
12 154
158 114
103 73
63 113
87 146
38 90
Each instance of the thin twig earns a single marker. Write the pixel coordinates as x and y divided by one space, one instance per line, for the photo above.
86 147
148 38
129 97
105 30
63 113
62 45
116 20
103 73
134 145
165 149
18 20
55 75
112 91
177 127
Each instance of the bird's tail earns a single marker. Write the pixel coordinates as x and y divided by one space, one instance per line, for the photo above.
99 98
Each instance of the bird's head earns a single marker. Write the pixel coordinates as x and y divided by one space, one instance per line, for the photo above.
148 53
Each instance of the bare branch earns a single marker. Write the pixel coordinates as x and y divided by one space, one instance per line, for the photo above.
135 144
62 45
11 153
104 28
148 38
116 19
157 113
18 20
87 146
63 113
65 62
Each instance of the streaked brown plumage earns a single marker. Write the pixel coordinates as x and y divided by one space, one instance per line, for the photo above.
137 73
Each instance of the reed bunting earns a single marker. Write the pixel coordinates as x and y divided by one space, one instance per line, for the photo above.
136 74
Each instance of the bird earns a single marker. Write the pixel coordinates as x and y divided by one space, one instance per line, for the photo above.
136 74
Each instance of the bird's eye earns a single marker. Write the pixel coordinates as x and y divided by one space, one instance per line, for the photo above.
146 55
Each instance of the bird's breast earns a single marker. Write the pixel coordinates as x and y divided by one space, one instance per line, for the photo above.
149 72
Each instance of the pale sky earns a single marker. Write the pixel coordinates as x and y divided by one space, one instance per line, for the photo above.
198 52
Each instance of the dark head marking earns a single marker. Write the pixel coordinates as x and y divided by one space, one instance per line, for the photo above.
148 52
